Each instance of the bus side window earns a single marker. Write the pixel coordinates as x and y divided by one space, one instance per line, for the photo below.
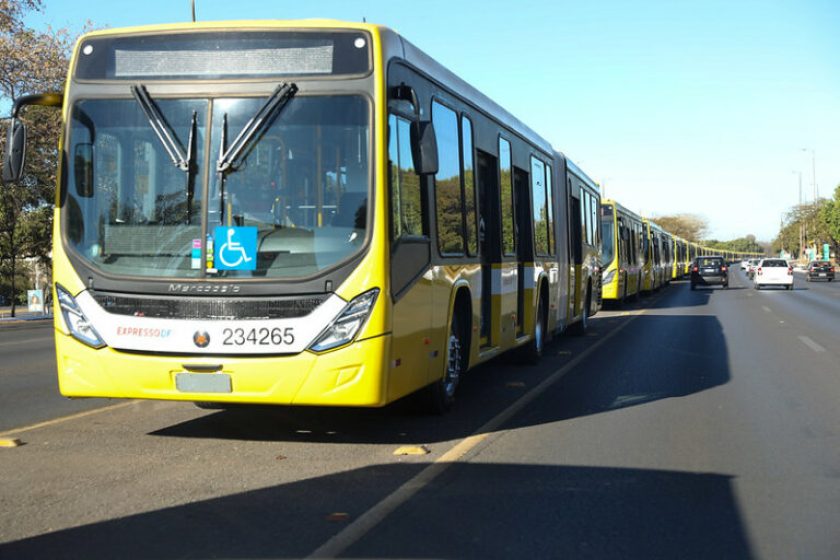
406 207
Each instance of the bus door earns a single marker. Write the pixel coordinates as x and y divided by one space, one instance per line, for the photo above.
524 251
488 238
576 253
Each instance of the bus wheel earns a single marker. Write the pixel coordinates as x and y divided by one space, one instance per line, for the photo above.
532 352
441 393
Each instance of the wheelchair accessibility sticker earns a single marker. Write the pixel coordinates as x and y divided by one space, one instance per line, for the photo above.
235 248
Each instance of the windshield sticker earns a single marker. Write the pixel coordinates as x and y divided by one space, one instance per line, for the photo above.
209 253
235 248
196 254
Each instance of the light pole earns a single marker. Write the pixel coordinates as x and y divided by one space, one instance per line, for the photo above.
813 172
799 210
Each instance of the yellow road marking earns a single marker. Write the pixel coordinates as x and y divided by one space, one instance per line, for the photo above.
76 416
362 525
9 442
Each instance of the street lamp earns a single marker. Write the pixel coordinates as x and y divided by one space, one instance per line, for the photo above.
813 171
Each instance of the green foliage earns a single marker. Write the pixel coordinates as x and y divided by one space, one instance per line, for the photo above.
30 62
830 217
811 225
747 244
688 226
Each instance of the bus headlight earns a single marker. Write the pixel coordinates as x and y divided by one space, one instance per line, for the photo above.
347 325
78 325
608 277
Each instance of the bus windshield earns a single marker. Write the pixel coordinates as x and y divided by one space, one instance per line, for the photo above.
302 185
607 237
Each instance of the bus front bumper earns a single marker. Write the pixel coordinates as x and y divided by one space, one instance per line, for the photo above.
354 375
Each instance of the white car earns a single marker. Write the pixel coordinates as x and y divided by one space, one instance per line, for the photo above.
773 272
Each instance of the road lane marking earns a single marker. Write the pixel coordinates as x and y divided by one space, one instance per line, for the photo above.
362 525
767 309
62 419
811 344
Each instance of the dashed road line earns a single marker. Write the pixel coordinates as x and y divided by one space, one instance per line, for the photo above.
811 344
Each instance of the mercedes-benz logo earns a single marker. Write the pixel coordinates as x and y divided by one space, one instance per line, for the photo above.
201 339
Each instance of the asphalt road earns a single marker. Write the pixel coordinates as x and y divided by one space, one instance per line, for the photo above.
691 425
28 384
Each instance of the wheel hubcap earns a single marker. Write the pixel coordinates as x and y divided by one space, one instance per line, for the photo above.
453 366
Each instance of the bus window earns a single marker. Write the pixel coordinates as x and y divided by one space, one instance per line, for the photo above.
469 186
449 205
539 207
506 191
406 208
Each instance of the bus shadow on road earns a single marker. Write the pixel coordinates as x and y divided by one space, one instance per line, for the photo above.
660 357
470 511
656 357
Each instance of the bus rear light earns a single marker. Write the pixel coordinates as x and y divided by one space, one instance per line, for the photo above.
75 320
347 325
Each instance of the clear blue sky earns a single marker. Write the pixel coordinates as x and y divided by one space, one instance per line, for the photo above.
675 106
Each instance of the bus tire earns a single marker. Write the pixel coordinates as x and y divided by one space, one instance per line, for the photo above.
532 352
440 395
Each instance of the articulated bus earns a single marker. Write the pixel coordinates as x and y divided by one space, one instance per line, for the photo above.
584 197
307 213
622 261
680 258
656 257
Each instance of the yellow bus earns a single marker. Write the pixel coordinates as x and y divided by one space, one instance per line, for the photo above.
656 257
681 259
622 261
296 212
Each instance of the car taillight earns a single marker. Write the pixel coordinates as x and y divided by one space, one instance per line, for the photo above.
758 271
695 269
723 269
790 271
831 269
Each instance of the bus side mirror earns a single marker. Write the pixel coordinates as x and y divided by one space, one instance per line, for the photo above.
15 152
83 169
424 147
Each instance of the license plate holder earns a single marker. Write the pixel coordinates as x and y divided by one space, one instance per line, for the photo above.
187 382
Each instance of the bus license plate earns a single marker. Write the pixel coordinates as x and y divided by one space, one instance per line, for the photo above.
203 382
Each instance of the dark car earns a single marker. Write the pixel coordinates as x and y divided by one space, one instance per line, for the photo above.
709 271
819 270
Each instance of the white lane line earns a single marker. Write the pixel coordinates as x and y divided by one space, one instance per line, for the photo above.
344 539
767 309
811 344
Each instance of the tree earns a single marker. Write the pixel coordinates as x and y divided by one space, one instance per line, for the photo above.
688 226
30 62
830 218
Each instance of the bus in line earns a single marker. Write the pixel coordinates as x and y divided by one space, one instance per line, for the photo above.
302 213
623 257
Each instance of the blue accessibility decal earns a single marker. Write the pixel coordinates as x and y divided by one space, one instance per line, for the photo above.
235 247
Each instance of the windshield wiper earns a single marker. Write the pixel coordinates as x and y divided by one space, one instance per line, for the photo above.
231 157
169 140
162 129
